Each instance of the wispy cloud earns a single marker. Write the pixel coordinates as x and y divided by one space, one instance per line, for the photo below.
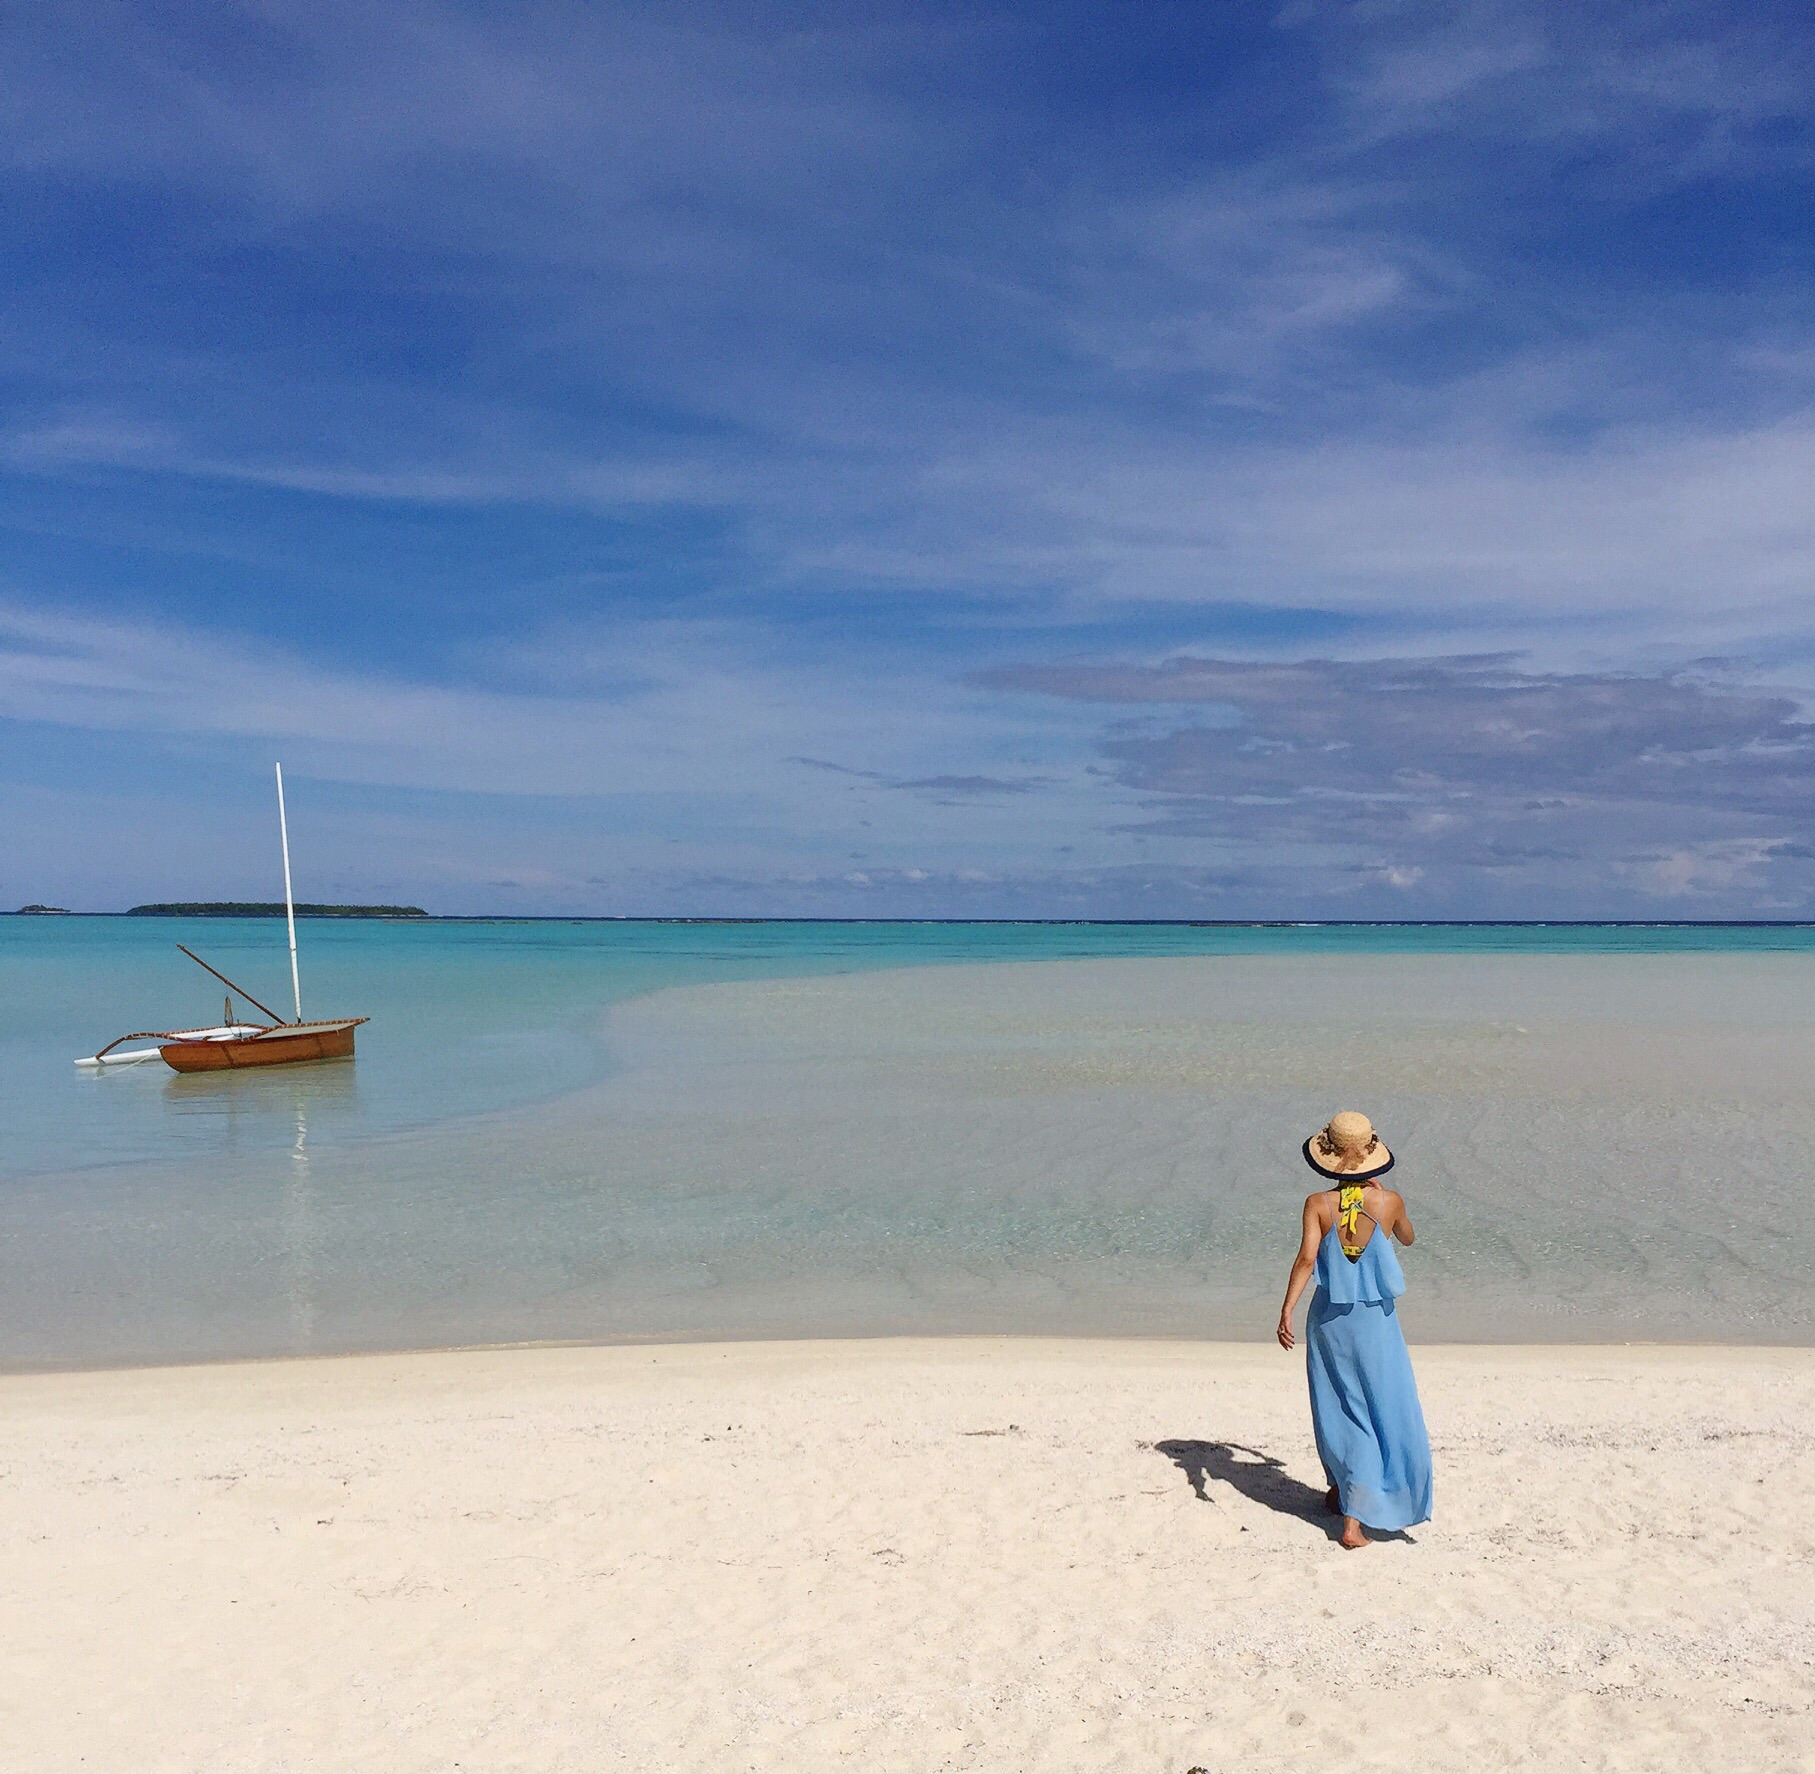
946 787
685 727
1665 93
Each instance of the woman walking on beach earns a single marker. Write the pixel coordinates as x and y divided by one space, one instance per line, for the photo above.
1364 1400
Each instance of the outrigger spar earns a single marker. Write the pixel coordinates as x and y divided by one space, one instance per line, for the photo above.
233 1043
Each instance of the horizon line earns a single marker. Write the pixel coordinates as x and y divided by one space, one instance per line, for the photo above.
1109 923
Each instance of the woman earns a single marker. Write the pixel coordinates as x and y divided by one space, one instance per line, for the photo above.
1364 1401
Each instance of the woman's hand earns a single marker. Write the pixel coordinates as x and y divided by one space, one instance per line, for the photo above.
1303 1266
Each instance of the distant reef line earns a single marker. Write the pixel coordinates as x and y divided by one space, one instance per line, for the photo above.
249 908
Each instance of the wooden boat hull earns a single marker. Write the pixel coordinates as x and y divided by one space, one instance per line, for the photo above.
287 1046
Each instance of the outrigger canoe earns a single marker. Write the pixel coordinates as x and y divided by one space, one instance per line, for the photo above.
222 1049
233 1043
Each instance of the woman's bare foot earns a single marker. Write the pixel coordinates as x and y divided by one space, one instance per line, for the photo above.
1354 1536
1332 1500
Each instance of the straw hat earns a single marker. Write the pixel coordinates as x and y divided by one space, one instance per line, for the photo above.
1348 1150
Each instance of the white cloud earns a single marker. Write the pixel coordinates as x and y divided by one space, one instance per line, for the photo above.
1707 532
1704 870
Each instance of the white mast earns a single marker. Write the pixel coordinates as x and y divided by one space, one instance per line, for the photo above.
283 827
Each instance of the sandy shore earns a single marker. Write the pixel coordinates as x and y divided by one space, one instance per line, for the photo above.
982 1554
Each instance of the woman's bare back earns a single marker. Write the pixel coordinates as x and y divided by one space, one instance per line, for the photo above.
1380 1207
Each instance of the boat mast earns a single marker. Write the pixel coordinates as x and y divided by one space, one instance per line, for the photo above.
283 828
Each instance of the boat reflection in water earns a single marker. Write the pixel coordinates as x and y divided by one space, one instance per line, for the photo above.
266 1095
299 1235
265 1111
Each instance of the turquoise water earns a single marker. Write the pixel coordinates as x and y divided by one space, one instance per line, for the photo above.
475 1016
519 1150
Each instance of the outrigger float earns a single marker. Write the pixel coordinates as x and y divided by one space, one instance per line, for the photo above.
236 1042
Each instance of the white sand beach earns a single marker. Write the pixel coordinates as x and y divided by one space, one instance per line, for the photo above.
903 1555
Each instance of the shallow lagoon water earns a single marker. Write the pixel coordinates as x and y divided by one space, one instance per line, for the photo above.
680 1130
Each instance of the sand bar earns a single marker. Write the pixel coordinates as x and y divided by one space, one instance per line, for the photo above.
914 1554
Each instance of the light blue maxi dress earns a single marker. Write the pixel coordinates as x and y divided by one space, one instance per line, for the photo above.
1364 1400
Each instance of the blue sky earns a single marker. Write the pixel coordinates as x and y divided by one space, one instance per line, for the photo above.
1123 460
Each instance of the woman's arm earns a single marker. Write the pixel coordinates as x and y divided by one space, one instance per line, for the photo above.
1302 1266
1402 1221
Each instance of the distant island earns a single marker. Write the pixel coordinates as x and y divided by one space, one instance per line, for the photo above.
248 908
44 911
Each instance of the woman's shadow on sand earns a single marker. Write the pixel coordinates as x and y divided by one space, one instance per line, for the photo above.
1259 1477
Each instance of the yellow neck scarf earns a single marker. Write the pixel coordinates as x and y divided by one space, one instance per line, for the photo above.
1348 1214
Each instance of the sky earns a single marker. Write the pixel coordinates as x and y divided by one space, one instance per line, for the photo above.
1123 460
